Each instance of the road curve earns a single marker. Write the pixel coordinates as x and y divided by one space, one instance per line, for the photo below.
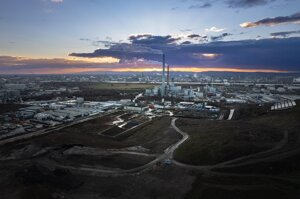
168 154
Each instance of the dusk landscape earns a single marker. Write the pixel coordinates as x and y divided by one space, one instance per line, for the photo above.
149 99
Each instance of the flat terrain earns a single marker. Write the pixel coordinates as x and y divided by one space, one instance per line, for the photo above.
55 166
270 174
94 91
34 181
253 157
212 142
154 136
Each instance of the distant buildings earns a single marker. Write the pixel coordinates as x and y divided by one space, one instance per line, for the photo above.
296 80
20 87
43 114
135 107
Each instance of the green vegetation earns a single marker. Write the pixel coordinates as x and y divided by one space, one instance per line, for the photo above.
122 161
212 142
275 178
154 136
97 91
240 187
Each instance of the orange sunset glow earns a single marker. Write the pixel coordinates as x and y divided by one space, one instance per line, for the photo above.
154 69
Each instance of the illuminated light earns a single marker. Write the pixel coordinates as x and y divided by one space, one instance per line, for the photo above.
196 70
248 25
210 55
207 55
140 69
214 29
96 60
173 69
107 64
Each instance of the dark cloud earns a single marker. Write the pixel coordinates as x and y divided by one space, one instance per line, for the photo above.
295 18
148 39
126 51
220 37
186 43
230 3
256 54
193 36
197 37
247 3
274 54
199 6
285 33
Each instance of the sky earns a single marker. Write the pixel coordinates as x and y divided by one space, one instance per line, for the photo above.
74 36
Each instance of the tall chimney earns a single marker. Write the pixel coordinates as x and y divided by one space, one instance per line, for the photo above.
168 76
163 83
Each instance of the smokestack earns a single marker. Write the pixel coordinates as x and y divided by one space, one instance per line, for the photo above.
168 76
163 76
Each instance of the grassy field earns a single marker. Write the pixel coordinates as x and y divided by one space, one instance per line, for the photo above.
240 187
27 176
276 179
122 161
213 142
154 136
97 91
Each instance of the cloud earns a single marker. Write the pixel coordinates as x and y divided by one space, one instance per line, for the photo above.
214 29
27 65
247 3
186 43
197 38
209 55
220 37
285 33
247 55
229 3
56 1
295 18
140 53
193 36
278 53
152 39
199 6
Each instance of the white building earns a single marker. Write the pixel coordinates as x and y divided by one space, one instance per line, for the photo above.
136 108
